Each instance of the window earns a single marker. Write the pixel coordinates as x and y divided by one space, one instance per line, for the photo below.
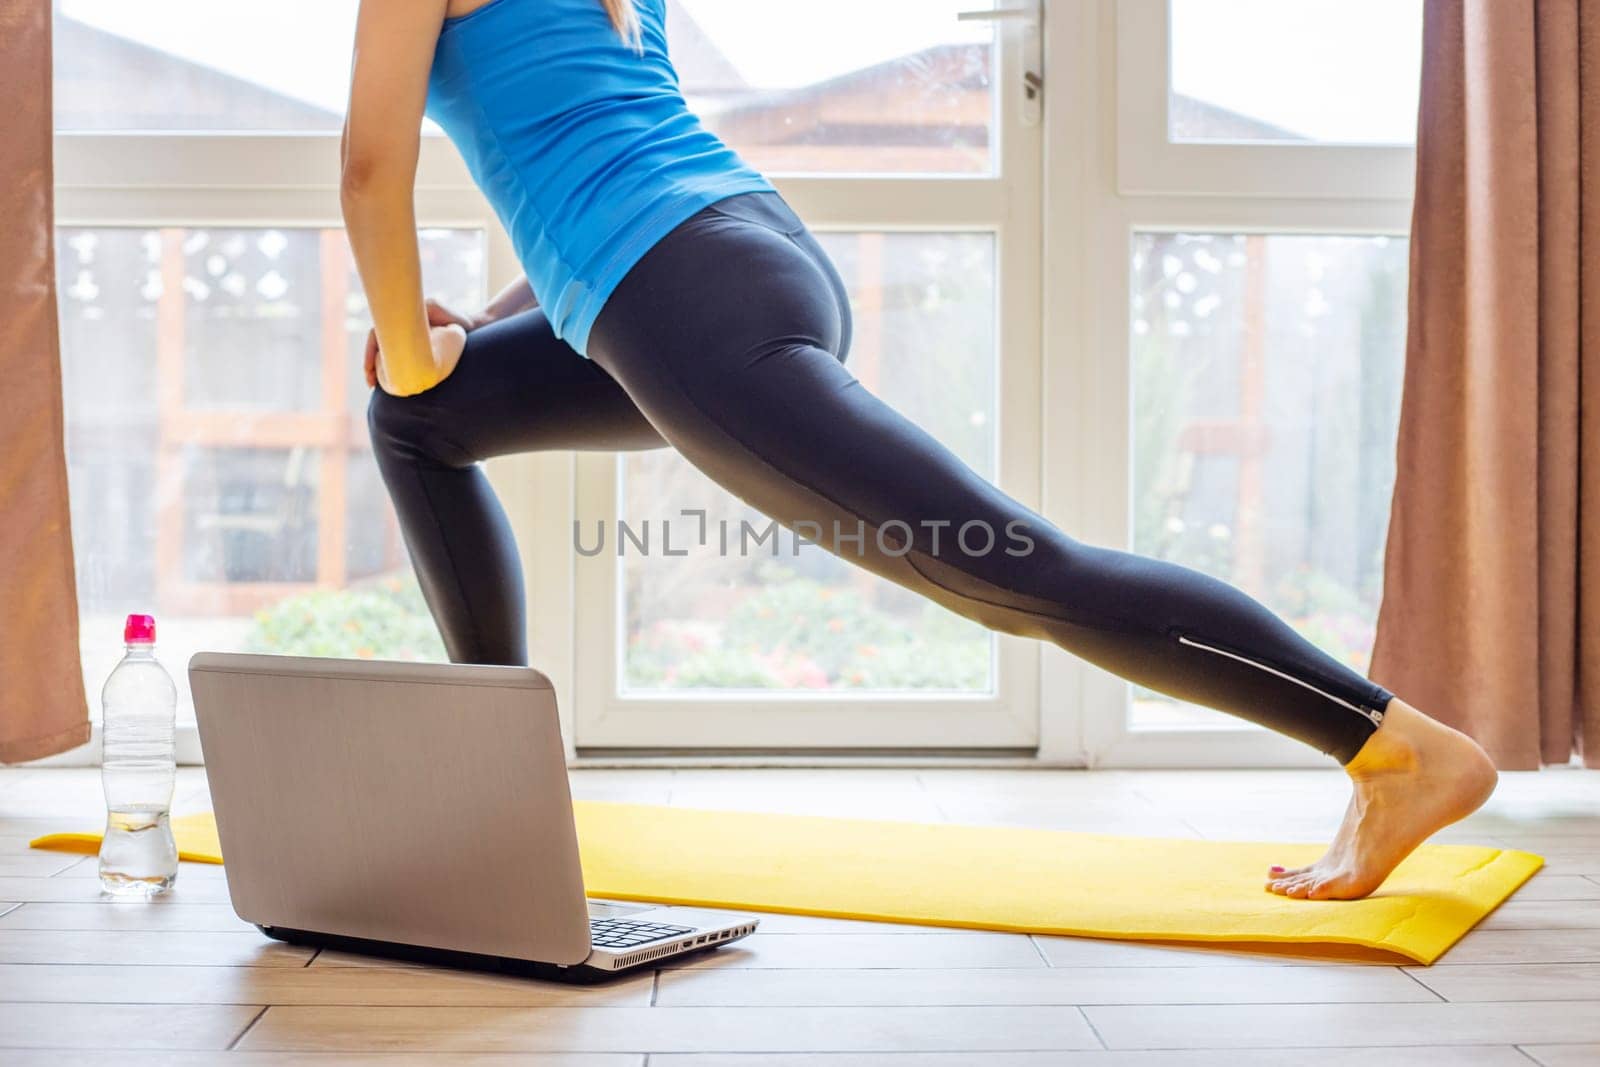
1266 392
216 442
1312 71
212 324
189 65
1316 98
899 135
1259 207
819 86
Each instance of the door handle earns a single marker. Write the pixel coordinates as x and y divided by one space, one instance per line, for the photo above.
1030 20
996 14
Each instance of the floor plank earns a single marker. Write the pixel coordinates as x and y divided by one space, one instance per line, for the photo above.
1550 886
1539 837
67 889
122 1026
168 947
114 1058
1541 915
1564 1055
963 949
1079 985
1089 952
659 1029
1524 946
35 863
1585 863
1502 1056
209 984
125 915
1549 981
1334 1025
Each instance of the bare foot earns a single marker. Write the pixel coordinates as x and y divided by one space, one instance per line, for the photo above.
1413 777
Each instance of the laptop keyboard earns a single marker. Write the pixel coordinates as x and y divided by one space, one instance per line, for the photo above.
626 933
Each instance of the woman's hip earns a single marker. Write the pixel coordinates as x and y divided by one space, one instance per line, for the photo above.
740 275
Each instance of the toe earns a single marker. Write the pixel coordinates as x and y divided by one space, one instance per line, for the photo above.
1286 886
1300 887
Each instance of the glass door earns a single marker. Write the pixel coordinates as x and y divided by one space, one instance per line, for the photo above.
907 134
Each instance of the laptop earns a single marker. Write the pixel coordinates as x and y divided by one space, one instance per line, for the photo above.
418 811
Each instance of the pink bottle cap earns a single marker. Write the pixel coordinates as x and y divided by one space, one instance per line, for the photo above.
139 630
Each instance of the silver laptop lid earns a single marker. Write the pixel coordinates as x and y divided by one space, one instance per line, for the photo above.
424 804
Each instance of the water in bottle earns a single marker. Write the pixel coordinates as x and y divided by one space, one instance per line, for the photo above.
139 704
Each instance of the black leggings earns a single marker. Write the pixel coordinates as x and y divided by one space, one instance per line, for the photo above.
727 340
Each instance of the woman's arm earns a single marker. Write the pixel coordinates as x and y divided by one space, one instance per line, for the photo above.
394 47
518 296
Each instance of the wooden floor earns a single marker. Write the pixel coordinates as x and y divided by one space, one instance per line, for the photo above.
183 980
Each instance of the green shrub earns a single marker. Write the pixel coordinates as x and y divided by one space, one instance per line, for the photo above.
387 620
796 633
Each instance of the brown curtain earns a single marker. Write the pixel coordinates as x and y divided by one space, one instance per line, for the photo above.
1491 611
42 707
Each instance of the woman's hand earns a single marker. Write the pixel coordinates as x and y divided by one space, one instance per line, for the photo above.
446 342
438 315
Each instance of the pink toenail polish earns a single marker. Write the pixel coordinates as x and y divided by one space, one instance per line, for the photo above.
1277 870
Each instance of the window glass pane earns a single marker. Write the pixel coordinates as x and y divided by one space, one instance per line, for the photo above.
891 86
1311 71
249 514
759 615
806 85
217 449
1266 398
201 65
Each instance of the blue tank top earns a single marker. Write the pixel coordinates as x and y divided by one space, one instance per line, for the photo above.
585 149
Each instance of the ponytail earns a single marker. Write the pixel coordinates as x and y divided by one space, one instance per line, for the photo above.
626 19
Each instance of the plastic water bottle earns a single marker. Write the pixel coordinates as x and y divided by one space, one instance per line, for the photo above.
137 855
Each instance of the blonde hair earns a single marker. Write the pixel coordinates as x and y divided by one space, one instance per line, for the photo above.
626 19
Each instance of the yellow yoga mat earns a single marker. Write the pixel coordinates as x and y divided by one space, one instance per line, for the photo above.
1004 878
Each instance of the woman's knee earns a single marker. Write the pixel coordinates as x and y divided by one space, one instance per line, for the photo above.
387 423
401 426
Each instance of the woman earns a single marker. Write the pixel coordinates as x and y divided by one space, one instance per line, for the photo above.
681 302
